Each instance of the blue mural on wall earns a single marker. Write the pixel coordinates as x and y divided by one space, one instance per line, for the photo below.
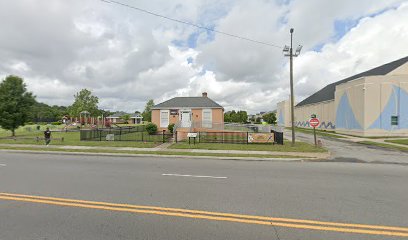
302 124
345 117
327 125
403 109
281 120
393 108
324 125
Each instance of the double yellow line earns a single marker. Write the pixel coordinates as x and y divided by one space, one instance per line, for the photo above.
217 216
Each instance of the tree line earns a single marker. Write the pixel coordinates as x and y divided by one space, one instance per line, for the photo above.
236 117
19 106
242 117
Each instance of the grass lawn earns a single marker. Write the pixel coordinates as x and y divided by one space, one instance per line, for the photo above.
148 152
319 132
399 141
299 147
70 138
384 145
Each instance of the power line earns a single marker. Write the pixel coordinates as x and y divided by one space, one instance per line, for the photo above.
192 24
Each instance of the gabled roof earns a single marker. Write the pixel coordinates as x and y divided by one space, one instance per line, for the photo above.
136 115
188 102
120 114
327 93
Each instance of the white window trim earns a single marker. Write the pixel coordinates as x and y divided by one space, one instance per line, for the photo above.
206 123
185 110
162 112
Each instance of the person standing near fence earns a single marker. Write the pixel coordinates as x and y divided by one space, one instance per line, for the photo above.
47 136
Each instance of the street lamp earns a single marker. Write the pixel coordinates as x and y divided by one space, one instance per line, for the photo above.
288 52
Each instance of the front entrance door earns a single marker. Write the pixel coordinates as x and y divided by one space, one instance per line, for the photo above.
185 119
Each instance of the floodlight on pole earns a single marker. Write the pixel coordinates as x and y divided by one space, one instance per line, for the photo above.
298 49
288 52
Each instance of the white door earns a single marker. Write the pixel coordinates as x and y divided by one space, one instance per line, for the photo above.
164 118
185 119
207 118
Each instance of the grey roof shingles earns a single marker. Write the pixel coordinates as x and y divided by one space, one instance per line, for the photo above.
327 93
188 102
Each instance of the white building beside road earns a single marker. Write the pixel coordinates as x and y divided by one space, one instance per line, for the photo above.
371 103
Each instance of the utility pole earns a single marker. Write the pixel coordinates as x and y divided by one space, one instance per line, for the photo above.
288 52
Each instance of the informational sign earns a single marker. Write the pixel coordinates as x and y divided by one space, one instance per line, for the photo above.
192 135
314 122
173 111
260 137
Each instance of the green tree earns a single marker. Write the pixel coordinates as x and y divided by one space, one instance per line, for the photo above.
236 117
105 113
242 116
258 120
147 113
269 118
15 103
41 112
84 101
126 118
171 127
227 116
151 128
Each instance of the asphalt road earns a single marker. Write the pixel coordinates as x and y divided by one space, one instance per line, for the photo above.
339 192
345 151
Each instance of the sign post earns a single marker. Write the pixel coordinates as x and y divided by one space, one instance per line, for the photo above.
314 122
192 135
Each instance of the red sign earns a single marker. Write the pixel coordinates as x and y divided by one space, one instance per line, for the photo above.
314 122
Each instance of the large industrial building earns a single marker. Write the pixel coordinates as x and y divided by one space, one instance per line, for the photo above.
371 103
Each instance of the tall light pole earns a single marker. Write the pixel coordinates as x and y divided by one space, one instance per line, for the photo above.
288 52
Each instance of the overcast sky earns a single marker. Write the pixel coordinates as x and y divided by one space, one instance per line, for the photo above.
126 57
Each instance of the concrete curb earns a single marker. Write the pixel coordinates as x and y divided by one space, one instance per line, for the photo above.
152 151
165 156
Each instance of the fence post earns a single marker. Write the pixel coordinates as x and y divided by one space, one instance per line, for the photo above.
247 137
100 135
199 137
163 135
176 137
120 134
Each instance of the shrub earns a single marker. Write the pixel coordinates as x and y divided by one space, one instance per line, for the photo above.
171 127
56 123
151 128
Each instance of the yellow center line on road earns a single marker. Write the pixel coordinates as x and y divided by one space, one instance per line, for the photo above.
396 231
213 213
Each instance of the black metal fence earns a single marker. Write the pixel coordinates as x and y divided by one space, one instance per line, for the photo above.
223 137
136 133
240 137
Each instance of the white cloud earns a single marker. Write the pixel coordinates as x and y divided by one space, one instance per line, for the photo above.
373 42
127 57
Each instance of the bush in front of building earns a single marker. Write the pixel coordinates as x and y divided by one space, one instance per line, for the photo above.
151 128
171 127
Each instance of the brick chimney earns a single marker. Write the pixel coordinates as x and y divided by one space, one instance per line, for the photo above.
204 94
